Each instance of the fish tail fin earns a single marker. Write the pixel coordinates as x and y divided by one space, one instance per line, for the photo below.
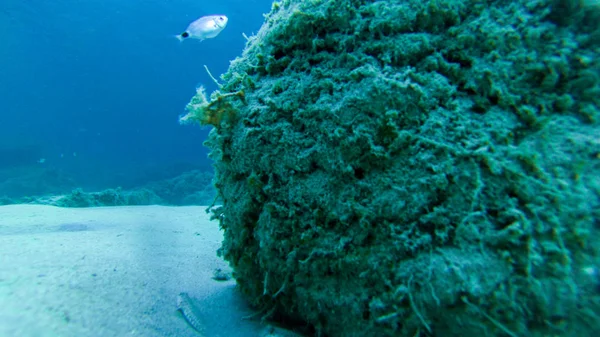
183 36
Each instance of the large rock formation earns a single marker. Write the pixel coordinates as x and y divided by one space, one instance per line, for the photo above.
414 168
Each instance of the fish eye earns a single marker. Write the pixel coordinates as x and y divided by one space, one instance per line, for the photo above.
221 18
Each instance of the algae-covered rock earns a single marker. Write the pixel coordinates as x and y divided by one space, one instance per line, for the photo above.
107 197
189 188
414 168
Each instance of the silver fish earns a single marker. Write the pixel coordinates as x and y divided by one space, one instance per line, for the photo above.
206 27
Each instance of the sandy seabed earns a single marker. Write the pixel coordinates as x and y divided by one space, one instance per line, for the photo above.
113 271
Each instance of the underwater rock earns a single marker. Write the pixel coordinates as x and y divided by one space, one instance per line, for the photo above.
189 188
414 168
107 197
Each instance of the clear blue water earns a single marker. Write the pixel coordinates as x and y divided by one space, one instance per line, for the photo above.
91 91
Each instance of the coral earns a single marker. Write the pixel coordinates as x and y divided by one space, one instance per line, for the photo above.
415 167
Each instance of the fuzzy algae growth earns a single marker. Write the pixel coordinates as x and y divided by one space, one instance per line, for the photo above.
213 112
414 168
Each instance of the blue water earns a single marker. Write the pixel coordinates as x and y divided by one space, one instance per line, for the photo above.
91 91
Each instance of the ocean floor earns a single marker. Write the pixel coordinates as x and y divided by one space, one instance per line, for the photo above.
114 271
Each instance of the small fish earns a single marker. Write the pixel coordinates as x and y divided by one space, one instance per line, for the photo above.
206 27
186 306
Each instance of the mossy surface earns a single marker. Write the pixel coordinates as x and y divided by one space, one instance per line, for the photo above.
416 168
